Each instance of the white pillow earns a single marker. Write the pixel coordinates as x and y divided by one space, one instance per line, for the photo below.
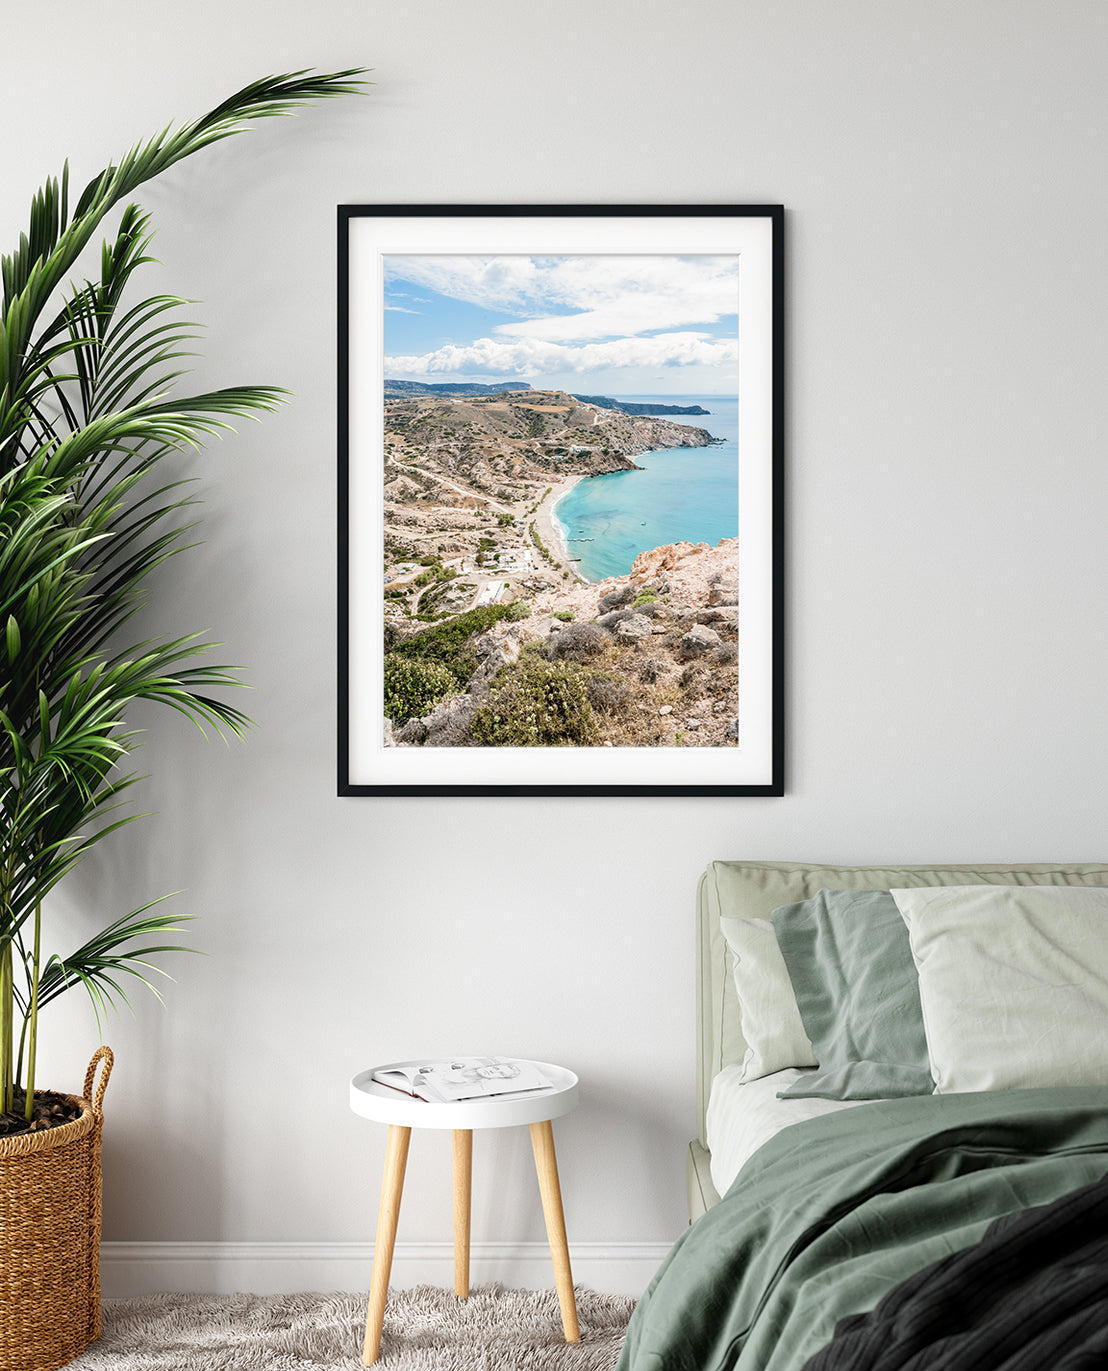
771 1023
1013 982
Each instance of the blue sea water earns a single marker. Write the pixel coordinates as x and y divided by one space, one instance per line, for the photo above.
683 494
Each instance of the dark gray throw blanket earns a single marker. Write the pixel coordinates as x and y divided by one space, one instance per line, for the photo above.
1031 1295
829 1225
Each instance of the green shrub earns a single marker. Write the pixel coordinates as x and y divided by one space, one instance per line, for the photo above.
644 597
606 693
577 643
414 687
540 704
563 614
446 643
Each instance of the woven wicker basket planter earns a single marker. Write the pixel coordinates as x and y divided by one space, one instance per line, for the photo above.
50 1236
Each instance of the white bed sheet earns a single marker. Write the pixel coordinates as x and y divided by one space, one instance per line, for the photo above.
741 1118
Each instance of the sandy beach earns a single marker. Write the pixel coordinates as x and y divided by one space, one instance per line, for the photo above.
548 530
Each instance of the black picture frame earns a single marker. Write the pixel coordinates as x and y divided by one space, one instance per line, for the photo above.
369 235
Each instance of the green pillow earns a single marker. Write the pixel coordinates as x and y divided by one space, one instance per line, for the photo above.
849 959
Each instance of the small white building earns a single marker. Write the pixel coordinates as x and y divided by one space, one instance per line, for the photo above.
491 593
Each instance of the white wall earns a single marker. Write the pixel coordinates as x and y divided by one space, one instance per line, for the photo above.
942 165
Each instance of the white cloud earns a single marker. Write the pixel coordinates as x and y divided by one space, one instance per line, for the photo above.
399 309
583 297
499 283
630 314
536 356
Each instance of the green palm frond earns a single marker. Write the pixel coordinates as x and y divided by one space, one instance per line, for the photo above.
109 952
54 241
91 420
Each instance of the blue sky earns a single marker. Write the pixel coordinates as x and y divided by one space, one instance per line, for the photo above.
612 324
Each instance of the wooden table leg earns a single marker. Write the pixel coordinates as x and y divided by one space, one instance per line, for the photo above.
396 1159
546 1164
463 1186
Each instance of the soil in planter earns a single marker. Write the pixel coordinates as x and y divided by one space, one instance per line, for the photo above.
50 1111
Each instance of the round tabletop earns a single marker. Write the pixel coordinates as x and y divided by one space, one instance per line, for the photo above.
372 1100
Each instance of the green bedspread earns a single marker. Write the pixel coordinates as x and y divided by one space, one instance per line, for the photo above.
833 1213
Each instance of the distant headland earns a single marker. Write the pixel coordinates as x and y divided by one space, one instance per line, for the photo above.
634 407
402 390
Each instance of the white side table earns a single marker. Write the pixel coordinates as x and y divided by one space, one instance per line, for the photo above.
402 1113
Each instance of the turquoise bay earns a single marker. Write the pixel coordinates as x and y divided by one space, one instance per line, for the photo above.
682 494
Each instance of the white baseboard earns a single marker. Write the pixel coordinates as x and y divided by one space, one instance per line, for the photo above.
274 1268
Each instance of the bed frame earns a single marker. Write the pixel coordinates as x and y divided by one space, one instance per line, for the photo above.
755 890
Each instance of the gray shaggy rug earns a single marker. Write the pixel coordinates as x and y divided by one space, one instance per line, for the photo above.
426 1329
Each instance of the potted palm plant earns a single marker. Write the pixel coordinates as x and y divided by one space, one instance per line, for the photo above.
90 505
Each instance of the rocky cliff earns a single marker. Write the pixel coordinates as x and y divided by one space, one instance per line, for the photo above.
645 660
528 432
464 477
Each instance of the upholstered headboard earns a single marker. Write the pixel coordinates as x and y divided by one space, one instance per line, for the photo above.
756 889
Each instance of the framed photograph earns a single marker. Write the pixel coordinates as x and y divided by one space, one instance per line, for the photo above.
560 480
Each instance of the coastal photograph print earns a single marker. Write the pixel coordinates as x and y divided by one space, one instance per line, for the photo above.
560 456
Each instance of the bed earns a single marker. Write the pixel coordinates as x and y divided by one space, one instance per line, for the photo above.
902 1094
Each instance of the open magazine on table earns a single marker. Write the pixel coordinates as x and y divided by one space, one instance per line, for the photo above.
464 1078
